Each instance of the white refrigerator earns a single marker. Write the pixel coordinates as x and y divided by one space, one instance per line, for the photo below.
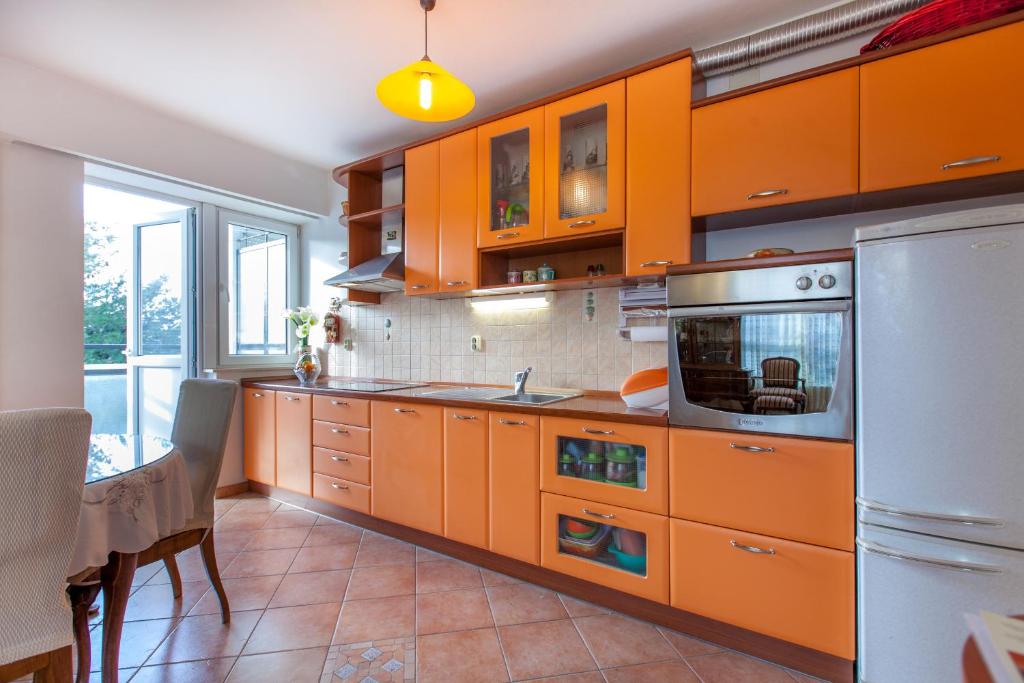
940 436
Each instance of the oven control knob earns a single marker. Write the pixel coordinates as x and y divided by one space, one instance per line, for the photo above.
804 283
827 281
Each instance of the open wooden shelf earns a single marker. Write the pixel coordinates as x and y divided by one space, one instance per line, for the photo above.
569 256
374 217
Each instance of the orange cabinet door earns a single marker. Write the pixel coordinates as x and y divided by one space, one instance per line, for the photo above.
514 499
786 144
796 592
465 476
510 209
341 465
658 169
259 436
641 473
295 442
422 173
801 489
944 112
458 265
341 437
406 464
348 411
585 162
627 550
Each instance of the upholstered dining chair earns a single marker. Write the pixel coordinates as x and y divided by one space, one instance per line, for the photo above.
781 388
43 456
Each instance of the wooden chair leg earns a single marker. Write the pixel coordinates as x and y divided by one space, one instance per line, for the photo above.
171 564
57 669
117 577
82 598
210 562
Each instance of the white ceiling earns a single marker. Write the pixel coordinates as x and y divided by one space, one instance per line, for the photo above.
298 76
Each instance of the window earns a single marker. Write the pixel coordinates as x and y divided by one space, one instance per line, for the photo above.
258 279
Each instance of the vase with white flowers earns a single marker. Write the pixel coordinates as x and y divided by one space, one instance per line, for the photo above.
307 366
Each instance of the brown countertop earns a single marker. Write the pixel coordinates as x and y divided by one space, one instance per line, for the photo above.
592 405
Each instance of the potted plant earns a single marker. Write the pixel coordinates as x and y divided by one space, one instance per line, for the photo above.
307 366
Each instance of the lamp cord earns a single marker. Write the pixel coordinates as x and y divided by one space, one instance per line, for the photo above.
426 58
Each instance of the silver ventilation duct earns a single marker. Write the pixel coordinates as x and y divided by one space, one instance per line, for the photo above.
801 34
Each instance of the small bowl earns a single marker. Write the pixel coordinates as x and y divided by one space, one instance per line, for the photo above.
634 563
769 251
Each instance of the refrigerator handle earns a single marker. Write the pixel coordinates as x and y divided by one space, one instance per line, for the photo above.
876 549
874 506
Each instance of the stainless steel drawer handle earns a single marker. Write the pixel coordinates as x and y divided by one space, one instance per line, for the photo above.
338 458
335 430
967 520
652 264
292 398
751 449
457 283
404 410
419 287
339 403
971 161
463 417
766 193
597 514
605 432
580 224
514 423
257 395
338 486
507 236
752 548
892 554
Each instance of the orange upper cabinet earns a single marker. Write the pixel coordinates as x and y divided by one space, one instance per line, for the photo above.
514 499
510 172
458 266
294 420
406 465
422 180
259 436
585 160
787 144
465 476
658 169
944 112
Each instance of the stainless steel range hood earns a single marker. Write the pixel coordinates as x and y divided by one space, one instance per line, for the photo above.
384 273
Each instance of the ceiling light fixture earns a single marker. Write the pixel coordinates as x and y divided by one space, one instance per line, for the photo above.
423 91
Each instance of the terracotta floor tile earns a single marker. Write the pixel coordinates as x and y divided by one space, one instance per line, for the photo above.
239 520
190 566
291 628
495 579
379 552
274 539
247 593
205 637
452 611
324 558
255 504
290 518
547 648
144 574
688 646
138 640
157 602
585 677
424 555
322 520
658 672
260 563
298 666
460 657
579 608
203 671
634 642
382 582
731 667
446 575
311 589
334 534
376 619
231 541
522 603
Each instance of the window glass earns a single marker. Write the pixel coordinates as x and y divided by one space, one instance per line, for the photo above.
258 291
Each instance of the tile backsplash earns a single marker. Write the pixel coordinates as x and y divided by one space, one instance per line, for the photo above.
430 341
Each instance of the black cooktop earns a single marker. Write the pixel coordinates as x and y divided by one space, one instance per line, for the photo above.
346 385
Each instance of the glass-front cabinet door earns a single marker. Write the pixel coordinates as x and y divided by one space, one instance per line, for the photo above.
585 161
510 169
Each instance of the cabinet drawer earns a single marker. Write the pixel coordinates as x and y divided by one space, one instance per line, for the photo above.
800 489
643 451
796 592
602 558
347 494
341 437
346 411
343 465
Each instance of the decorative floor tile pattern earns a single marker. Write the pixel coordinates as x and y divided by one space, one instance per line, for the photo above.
314 599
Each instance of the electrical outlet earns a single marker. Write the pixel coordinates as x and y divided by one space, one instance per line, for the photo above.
589 305
476 343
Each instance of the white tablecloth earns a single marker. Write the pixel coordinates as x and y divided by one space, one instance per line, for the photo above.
130 512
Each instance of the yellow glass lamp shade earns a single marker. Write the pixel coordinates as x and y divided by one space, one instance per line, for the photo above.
424 91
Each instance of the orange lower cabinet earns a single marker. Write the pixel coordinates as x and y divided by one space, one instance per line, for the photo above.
796 592
514 490
347 494
342 465
800 489
623 549
465 476
611 462
349 411
294 442
259 437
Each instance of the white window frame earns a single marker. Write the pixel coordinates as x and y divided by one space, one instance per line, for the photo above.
291 232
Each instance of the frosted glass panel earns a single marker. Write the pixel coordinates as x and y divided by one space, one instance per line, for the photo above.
583 174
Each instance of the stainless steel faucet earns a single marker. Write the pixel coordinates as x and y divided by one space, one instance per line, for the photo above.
520 379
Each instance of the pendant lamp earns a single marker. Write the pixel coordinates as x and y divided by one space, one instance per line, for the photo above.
423 91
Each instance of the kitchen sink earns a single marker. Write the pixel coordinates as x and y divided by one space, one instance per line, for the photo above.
532 399
492 395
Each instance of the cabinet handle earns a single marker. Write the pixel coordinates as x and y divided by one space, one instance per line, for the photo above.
292 398
580 224
463 417
257 395
507 236
404 410
591 430
597 514
514 423
418 287
652 264
338 458
338 486
457 283
752 449
766 193
335 430
971 161
752 548
339 403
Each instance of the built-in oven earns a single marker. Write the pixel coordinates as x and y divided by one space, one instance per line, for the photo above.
763 350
